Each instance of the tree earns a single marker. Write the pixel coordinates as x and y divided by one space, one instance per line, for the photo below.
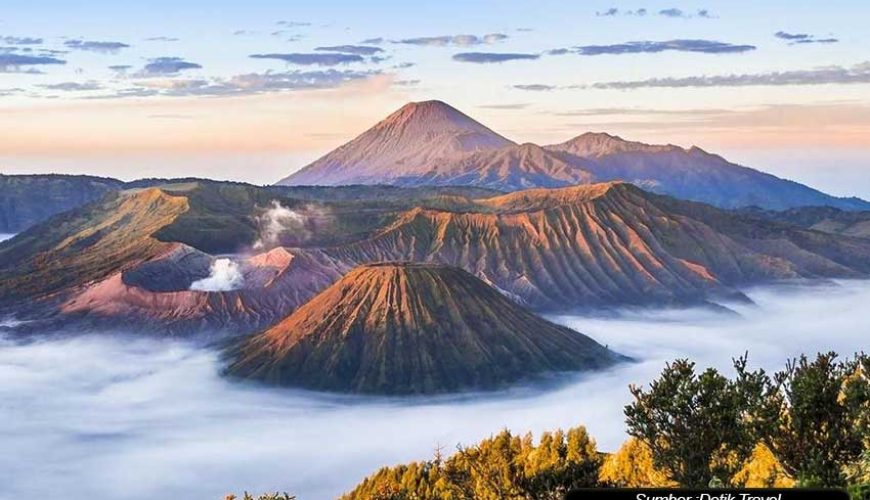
814 417
632 467
696 425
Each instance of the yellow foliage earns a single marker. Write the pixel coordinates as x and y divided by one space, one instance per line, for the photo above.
632 467
763 470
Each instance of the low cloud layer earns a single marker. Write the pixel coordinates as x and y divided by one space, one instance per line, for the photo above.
101 406
313 59
491 57
21 40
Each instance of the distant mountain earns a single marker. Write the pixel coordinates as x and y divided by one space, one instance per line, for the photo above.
431 143
691 174
402 328
824 219
26 200
131 259
405 144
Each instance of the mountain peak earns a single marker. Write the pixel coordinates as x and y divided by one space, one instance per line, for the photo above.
408 142
382 328
597 144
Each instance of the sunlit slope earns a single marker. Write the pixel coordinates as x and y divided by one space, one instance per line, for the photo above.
401 328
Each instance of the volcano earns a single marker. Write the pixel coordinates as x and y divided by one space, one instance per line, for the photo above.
405 328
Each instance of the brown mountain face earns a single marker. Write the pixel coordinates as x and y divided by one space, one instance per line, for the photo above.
407 143
402 328
132 260
431 143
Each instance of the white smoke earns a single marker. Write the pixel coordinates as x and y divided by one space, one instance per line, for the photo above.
274 222
225 276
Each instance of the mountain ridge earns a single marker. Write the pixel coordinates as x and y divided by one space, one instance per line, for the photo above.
433 153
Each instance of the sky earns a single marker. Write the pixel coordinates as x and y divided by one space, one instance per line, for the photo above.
254 90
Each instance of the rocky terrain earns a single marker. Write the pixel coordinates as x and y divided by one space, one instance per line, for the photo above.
134 258
405 328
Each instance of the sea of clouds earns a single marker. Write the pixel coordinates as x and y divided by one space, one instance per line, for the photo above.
133 418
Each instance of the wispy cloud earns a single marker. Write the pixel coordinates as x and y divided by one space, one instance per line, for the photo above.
96 46
73 86
166 66
21 40
19 63
673 12
162 39
362 50
648 47
258 83
508 106
802 38
373 41
307 59
536 87
293 24
491 57
454 40
859 73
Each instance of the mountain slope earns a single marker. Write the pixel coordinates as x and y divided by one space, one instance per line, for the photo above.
412 329
26 200
608 244
691 174
509 168
406 143
431 143
824 219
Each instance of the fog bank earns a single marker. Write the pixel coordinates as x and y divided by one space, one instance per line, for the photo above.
119 418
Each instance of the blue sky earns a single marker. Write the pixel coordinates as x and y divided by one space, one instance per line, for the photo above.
716 75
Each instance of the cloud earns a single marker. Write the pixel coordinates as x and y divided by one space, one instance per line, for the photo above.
536 87
312 59
21 40
161 39
247 84
406 83
672 12
454 40
73 86
361 50
95 46
120 68
490 57
802 38
510 106
373 41
859 73
293 24
166 66
647 47
17 63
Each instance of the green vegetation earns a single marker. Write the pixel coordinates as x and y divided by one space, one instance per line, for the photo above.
805 426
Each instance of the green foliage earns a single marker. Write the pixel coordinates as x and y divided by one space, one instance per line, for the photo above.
814 417
695 425
503 466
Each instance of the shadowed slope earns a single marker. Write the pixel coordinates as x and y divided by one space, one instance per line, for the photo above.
412 328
